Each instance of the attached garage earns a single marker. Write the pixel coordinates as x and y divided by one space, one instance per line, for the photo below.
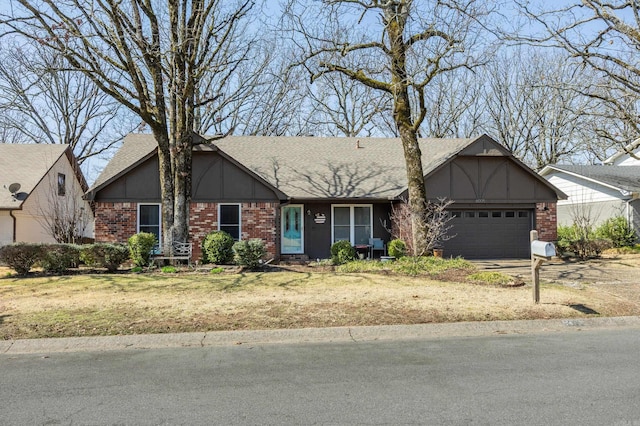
490 234
497 202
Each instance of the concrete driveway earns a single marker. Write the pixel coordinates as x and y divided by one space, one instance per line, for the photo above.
616 274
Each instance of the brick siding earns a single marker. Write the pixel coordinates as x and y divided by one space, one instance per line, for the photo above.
116 222
547 221
259 220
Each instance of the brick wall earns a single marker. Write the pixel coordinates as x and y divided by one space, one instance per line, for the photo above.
547 221
203 218
259 220
116 222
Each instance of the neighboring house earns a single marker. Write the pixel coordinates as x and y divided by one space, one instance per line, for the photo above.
597 193
301 194
39 182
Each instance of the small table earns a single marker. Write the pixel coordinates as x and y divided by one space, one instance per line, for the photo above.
362 249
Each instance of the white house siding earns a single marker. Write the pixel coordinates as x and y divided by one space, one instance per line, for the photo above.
6 228
627 160
585 197
597 212
31 220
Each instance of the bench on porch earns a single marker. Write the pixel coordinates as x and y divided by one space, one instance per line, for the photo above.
181 251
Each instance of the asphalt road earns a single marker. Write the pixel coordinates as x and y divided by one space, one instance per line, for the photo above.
560 378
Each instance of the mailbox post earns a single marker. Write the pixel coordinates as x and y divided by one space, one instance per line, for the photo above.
540 251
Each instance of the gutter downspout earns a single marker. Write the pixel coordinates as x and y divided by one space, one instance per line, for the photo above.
14 225
631 213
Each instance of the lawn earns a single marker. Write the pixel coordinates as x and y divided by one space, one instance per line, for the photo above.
129 303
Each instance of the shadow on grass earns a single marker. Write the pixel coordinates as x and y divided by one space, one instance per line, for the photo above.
2 318
584 309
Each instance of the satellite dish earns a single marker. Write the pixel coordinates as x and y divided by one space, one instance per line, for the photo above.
14 187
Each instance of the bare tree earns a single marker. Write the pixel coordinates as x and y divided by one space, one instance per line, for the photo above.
278 104
396 47
438 224
45 105
535 106
456 105
347 107
602 36
152 57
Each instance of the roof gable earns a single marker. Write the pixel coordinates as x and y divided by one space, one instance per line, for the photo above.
623 157
27 165
625 179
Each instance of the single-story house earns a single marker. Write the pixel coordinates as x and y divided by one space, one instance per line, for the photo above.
40 182
301 194
599 192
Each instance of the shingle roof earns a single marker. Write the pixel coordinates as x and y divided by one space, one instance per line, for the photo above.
623 177
310 167
335 167
25 164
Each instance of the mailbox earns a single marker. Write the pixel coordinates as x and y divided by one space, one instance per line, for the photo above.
542 249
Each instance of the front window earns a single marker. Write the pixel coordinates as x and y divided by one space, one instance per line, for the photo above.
229 220
352 223
149 219
62 184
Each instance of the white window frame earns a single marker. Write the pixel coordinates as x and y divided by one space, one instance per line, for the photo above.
352 231
282 226
159 219
239 217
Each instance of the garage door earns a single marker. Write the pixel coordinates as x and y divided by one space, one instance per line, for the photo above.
490 234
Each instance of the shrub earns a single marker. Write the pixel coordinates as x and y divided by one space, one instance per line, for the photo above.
582 243
397 248
216 271
618 231
102 255
410 265
169 269
58 258
20 256
361 266
249 253
217 247
342 252
140 248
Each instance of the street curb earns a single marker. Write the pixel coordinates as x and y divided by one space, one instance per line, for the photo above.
311 335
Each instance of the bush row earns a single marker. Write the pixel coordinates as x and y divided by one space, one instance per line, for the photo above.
589 241
219 248
58 258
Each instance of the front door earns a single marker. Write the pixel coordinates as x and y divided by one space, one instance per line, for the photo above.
292 229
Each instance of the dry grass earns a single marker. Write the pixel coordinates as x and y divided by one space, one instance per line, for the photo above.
109 304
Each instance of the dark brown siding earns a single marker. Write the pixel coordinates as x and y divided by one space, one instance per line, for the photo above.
317 237
486 180
214 179
140 184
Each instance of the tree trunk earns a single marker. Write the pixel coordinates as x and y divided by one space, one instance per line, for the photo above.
396 20
182 186
166 190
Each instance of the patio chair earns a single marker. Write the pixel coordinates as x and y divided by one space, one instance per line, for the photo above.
376 244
